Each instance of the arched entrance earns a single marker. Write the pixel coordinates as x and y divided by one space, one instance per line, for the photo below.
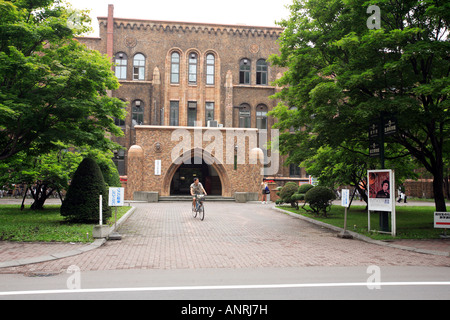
186 173
180 175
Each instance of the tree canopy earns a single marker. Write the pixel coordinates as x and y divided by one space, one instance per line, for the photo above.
51 86
342 76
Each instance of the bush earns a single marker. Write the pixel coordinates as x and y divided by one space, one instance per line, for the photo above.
109 172
287 191
319 199
298 197
81 202
304 188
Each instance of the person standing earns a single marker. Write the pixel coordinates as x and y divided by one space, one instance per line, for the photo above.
264 191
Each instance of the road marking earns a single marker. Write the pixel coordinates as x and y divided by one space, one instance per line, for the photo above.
229 287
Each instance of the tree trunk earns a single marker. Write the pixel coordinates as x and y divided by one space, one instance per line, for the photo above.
23 200
40 196
439 197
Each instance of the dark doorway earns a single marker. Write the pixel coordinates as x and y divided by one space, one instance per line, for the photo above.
184 177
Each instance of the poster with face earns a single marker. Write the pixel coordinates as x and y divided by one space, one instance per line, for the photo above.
381 186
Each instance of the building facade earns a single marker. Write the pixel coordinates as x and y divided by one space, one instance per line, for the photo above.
188 76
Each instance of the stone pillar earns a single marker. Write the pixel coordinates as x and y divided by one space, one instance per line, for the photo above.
228 123
156 101
135 171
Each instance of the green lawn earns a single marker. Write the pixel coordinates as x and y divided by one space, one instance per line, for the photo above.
44 226
412 222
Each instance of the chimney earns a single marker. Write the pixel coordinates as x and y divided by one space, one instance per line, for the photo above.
110 32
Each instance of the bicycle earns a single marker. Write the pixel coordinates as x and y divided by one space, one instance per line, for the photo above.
199 208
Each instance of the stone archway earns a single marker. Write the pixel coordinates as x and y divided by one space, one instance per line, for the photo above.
218 167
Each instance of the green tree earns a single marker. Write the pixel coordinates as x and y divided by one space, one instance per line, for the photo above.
342 76
51 86
82 200
45 174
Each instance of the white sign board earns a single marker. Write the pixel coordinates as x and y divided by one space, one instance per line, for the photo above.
116 197
442 220
345 198
157 167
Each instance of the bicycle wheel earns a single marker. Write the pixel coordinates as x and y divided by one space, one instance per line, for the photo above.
194 210
201 211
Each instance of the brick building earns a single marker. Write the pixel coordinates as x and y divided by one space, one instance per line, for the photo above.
187 76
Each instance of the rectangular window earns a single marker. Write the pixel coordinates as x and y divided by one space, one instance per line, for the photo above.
192 114
261 72
138 73
244 119
174 113
121 72
294 170
261 119
210 75
175 78
209 112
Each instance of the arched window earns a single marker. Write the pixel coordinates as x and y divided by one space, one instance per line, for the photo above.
210 68
192 68
261 72
244 71
139 67
137 114
121 60
244 116
261 116
175 68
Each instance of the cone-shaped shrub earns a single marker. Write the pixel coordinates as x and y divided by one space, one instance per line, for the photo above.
82 200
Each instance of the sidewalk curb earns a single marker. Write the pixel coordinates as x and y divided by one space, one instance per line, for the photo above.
122 220
60 255
361 237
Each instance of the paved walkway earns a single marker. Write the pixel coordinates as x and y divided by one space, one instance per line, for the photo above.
166 236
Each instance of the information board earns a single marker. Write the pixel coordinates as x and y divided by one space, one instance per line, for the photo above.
442 220
116 197
345 198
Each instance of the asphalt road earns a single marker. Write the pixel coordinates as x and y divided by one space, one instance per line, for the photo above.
346 283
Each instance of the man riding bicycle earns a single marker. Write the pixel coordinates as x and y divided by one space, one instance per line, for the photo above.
196 189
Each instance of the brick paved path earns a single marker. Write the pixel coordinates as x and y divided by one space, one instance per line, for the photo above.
166 236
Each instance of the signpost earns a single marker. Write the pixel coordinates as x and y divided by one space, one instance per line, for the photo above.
385 125
100 231
116 199
345 202
313 181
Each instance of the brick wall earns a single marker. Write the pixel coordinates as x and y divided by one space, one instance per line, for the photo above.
155 143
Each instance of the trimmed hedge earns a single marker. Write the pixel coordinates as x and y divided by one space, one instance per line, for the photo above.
319 199
81 204
286 193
